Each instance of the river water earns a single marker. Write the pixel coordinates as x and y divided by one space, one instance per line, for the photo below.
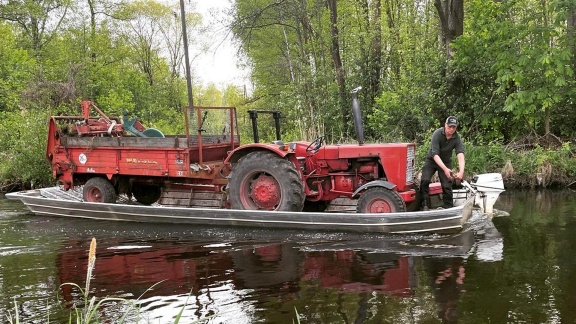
511 269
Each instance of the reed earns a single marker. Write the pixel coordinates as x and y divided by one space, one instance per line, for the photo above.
88 312
538 167
297 321
91 262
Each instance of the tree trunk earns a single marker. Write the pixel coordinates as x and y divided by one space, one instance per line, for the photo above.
545 24
451 13
373 58
36 35
337 62
571 31
392 17
304 30
92 7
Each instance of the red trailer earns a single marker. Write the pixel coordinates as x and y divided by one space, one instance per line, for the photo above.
98 153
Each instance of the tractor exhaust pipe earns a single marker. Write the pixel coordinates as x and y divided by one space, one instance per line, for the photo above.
357 116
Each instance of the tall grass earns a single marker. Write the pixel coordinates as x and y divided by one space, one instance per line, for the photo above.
531 167
536 167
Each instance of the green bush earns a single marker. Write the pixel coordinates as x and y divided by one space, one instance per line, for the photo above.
22 149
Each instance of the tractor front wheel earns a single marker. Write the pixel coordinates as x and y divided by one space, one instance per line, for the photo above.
99 190
265 181
380 200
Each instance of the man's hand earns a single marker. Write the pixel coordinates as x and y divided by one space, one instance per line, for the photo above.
456 177
448 173
460 175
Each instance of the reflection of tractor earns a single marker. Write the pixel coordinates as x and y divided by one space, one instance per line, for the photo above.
178 266
200 168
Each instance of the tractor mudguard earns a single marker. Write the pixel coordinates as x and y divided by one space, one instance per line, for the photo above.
243 150
375 183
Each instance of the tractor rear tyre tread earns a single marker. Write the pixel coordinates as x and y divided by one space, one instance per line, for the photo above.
280 183
390 200
99 190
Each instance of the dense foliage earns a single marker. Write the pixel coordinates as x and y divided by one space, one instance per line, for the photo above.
126 56
507 70
504 68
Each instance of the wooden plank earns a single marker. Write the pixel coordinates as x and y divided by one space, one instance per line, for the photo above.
342 204
171 202
190 198
195 203
344 201
176 194
213 139
206 203
196 194
117 142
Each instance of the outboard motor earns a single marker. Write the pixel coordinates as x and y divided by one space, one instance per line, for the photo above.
357 116
486 188
489 186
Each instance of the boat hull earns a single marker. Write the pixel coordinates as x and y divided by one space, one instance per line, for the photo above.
439 221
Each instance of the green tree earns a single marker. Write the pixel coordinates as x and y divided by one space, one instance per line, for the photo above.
300 64
39 20
15 69
527 73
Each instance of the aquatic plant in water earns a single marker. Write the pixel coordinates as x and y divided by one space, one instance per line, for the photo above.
88 311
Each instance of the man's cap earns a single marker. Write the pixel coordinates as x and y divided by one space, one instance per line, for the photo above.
451 121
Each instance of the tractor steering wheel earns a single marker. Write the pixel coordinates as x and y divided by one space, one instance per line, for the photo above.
315 145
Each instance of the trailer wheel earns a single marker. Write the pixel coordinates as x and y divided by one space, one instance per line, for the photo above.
380 200
99 190
146 194
265 181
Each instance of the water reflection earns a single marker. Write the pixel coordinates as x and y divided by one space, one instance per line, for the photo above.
242 275
239 274
516 269
447 276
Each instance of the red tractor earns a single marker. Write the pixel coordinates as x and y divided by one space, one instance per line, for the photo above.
207 167
301 175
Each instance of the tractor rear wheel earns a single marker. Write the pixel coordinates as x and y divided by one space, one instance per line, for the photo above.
265 181
146 194
99 190
380 200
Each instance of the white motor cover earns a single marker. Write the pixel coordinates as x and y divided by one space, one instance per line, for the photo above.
488 181
488 187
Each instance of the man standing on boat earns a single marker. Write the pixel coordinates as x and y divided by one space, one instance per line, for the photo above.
439 158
